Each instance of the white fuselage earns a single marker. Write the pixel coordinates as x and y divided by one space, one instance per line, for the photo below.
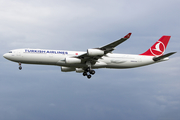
57 57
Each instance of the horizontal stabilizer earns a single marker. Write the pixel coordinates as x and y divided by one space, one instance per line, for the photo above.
163 56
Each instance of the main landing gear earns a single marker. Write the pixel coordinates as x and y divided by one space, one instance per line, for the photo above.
90 71
20 67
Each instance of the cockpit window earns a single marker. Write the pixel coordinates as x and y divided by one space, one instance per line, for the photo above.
10 51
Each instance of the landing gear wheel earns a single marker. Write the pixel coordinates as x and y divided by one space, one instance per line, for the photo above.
20 68
88 69
84 73
88 76
92 72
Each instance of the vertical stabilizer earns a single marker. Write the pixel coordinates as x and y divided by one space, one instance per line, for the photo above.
158 48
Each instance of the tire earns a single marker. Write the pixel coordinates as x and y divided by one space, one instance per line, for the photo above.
84 73
88 69
20 68
88 76
92 72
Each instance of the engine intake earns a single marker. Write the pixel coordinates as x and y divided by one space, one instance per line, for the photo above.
95 52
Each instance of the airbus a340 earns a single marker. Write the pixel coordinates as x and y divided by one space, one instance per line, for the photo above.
85 62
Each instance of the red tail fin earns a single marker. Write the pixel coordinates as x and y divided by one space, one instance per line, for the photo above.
158 48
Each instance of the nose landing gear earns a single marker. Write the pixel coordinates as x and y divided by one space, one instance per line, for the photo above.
20 67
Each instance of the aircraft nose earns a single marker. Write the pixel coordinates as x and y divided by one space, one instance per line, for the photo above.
5 55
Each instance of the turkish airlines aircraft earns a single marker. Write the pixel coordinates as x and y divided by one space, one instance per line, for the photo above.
85 62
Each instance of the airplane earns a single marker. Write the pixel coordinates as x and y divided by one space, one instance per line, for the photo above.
94 58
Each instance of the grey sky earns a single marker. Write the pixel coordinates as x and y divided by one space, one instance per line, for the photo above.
44 92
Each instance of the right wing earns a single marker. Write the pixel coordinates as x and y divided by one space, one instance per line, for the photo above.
106 49
110 47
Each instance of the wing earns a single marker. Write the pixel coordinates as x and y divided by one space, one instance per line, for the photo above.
110 47
105 49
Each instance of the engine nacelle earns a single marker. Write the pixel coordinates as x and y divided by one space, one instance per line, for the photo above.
79 70
72 60
95 52
67 69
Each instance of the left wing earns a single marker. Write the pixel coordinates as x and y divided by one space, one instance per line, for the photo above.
96 53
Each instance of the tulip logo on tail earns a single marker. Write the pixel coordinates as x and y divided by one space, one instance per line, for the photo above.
158 49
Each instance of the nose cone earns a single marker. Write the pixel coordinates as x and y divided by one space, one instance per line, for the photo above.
6 55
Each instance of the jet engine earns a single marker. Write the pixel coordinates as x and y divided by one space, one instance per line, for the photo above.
79 70
67 69
72 60
95 52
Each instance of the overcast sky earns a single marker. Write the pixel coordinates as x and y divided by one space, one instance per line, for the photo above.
44 92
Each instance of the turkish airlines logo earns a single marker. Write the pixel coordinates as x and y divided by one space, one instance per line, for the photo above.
157 49
128 35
